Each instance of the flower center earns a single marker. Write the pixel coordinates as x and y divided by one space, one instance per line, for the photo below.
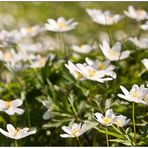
134 94
75 132
101 66
107 120
81 46
61 25
7 56
8 104
91 73
29 29
42 61
16 132
118 123
78 75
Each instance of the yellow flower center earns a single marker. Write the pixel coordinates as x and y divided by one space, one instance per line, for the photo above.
7 56
17 132
61 25
101 66
75 132
78 75
42 61
107 120
134 94
81 46
91 73
118 123
8 104
30 29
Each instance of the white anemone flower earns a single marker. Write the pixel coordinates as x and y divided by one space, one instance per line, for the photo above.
93 74
31 31
136 94
103 18
121 121
11 107
75 130
84 48
145 63
141 43
8 38
137 15
61 25
104 66
74 71
113 53
16 133
144 26
106 120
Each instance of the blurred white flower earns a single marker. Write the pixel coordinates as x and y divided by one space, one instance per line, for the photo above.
74 71
144 26
31 31
47 104
141 43
103 18
103 36
84 48
11 107
120 35
16 133
145 63
105 66
121 121
136 94
9 38
75 130
106 120
138 15
114 53
61 25
38 61
93 74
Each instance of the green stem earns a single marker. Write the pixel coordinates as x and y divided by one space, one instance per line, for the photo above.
78 141
107 141
134 125
15 143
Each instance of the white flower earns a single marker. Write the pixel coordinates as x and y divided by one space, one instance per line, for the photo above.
145 62
84 48
114 53
75 130
9 38
104 66
121 121
136 94
47 104
61 25
141 43
144 26
31 31
38 61
103 18
17 133
92 74
138 15
11 107
74 71
106 120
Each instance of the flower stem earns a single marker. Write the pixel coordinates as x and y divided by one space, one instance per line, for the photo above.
134 125
78 141
15 143
107 141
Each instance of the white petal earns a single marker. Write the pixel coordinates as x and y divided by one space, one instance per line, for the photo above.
5 133
124 90
124 54
10 128
65 135
99 117
17 102
66 129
